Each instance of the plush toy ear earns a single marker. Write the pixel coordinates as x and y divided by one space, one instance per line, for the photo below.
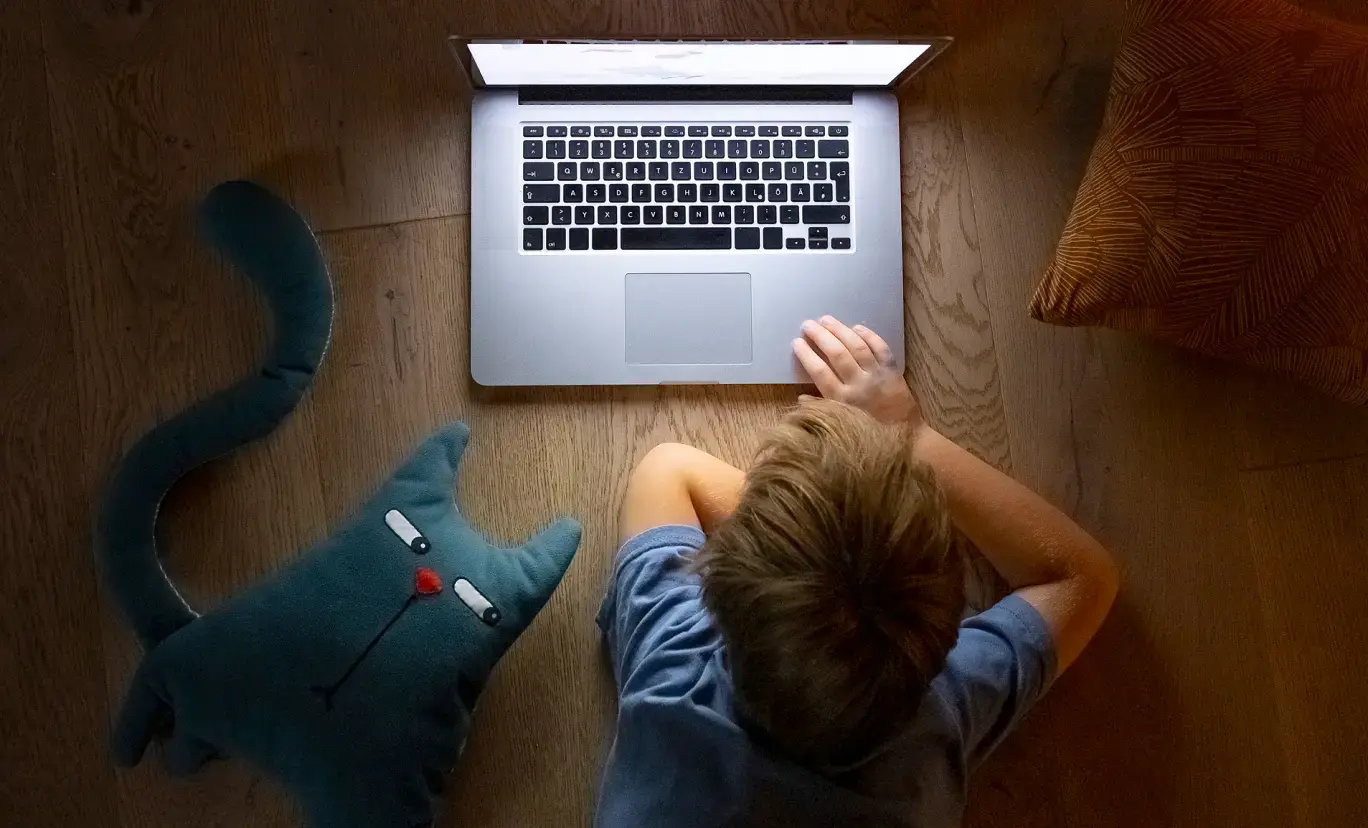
430 473
543 561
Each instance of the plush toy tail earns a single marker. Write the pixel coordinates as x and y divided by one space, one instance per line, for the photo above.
265 239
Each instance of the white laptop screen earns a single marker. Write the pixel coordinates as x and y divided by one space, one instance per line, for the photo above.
693 63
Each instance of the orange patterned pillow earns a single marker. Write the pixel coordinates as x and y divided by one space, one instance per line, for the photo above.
1225 207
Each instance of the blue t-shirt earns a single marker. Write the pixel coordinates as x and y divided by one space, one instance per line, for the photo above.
679 758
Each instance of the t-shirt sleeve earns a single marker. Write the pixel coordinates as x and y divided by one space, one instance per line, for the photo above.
1003 661
653 605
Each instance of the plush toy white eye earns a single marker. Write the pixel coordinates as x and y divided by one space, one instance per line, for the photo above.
478 604
406 532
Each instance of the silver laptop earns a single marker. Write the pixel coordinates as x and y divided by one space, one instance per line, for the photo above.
670 212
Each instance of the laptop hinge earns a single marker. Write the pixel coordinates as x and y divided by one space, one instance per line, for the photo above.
685 94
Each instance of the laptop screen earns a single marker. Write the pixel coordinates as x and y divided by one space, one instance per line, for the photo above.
693 63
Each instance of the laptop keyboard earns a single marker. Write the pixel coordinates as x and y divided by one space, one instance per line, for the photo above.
764 187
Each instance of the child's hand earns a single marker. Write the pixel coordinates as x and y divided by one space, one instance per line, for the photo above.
854 367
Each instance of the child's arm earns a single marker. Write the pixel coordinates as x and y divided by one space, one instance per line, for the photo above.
677 484
1046 558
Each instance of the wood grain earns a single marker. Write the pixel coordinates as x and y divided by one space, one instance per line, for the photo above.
1317 651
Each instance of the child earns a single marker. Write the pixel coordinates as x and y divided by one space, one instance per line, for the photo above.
787 642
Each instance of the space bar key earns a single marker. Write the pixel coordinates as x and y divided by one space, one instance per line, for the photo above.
676 238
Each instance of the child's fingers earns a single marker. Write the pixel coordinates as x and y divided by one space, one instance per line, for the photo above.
876 344
858 348
821 373
836 353
806 398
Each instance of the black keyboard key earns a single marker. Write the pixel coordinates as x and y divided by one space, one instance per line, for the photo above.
655 214
603 132
774 238
745 131
840 173
574 193
838 131
601 149
676 238
532 238
721 214
748 238
623 149
674 131
755 193
769 131
617 193
555 149
567 171
793 171
539 171
817 232
532 149
541 193
710 192
822 191
726 170
795 244
605 238
636 171
698 214
816 170
676 214
759 148
579 238
650 131
817 244
783 149
627 132
681 170
840 244
788 214
595 193
815 131
560 214
806 148
669 149
579 149
767 214
664 193
825 214
737 149
631 215
607 215
721 132
715 149
646 149
555 238
556 132
584 215
732 192
744 213
833 148
659 171
800 192
532 132
693 149
698 131
777 193
791 131
703 171
612 170
687 193
536 215
641 193
579 132
589 171
772 170
749 170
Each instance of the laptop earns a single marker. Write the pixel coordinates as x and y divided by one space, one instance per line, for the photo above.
649 212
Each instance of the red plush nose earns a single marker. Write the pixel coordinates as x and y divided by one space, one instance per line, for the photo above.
428 582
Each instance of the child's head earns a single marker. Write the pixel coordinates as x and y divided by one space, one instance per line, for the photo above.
836 584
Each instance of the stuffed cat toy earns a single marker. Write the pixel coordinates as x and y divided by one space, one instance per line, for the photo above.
352 674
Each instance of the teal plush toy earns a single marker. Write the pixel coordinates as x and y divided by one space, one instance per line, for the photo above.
351 676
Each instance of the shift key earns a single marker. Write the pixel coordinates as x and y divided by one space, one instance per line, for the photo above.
826 214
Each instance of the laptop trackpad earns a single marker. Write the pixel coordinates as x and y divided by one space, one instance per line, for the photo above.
688 318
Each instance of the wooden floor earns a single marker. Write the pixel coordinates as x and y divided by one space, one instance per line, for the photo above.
1223 691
